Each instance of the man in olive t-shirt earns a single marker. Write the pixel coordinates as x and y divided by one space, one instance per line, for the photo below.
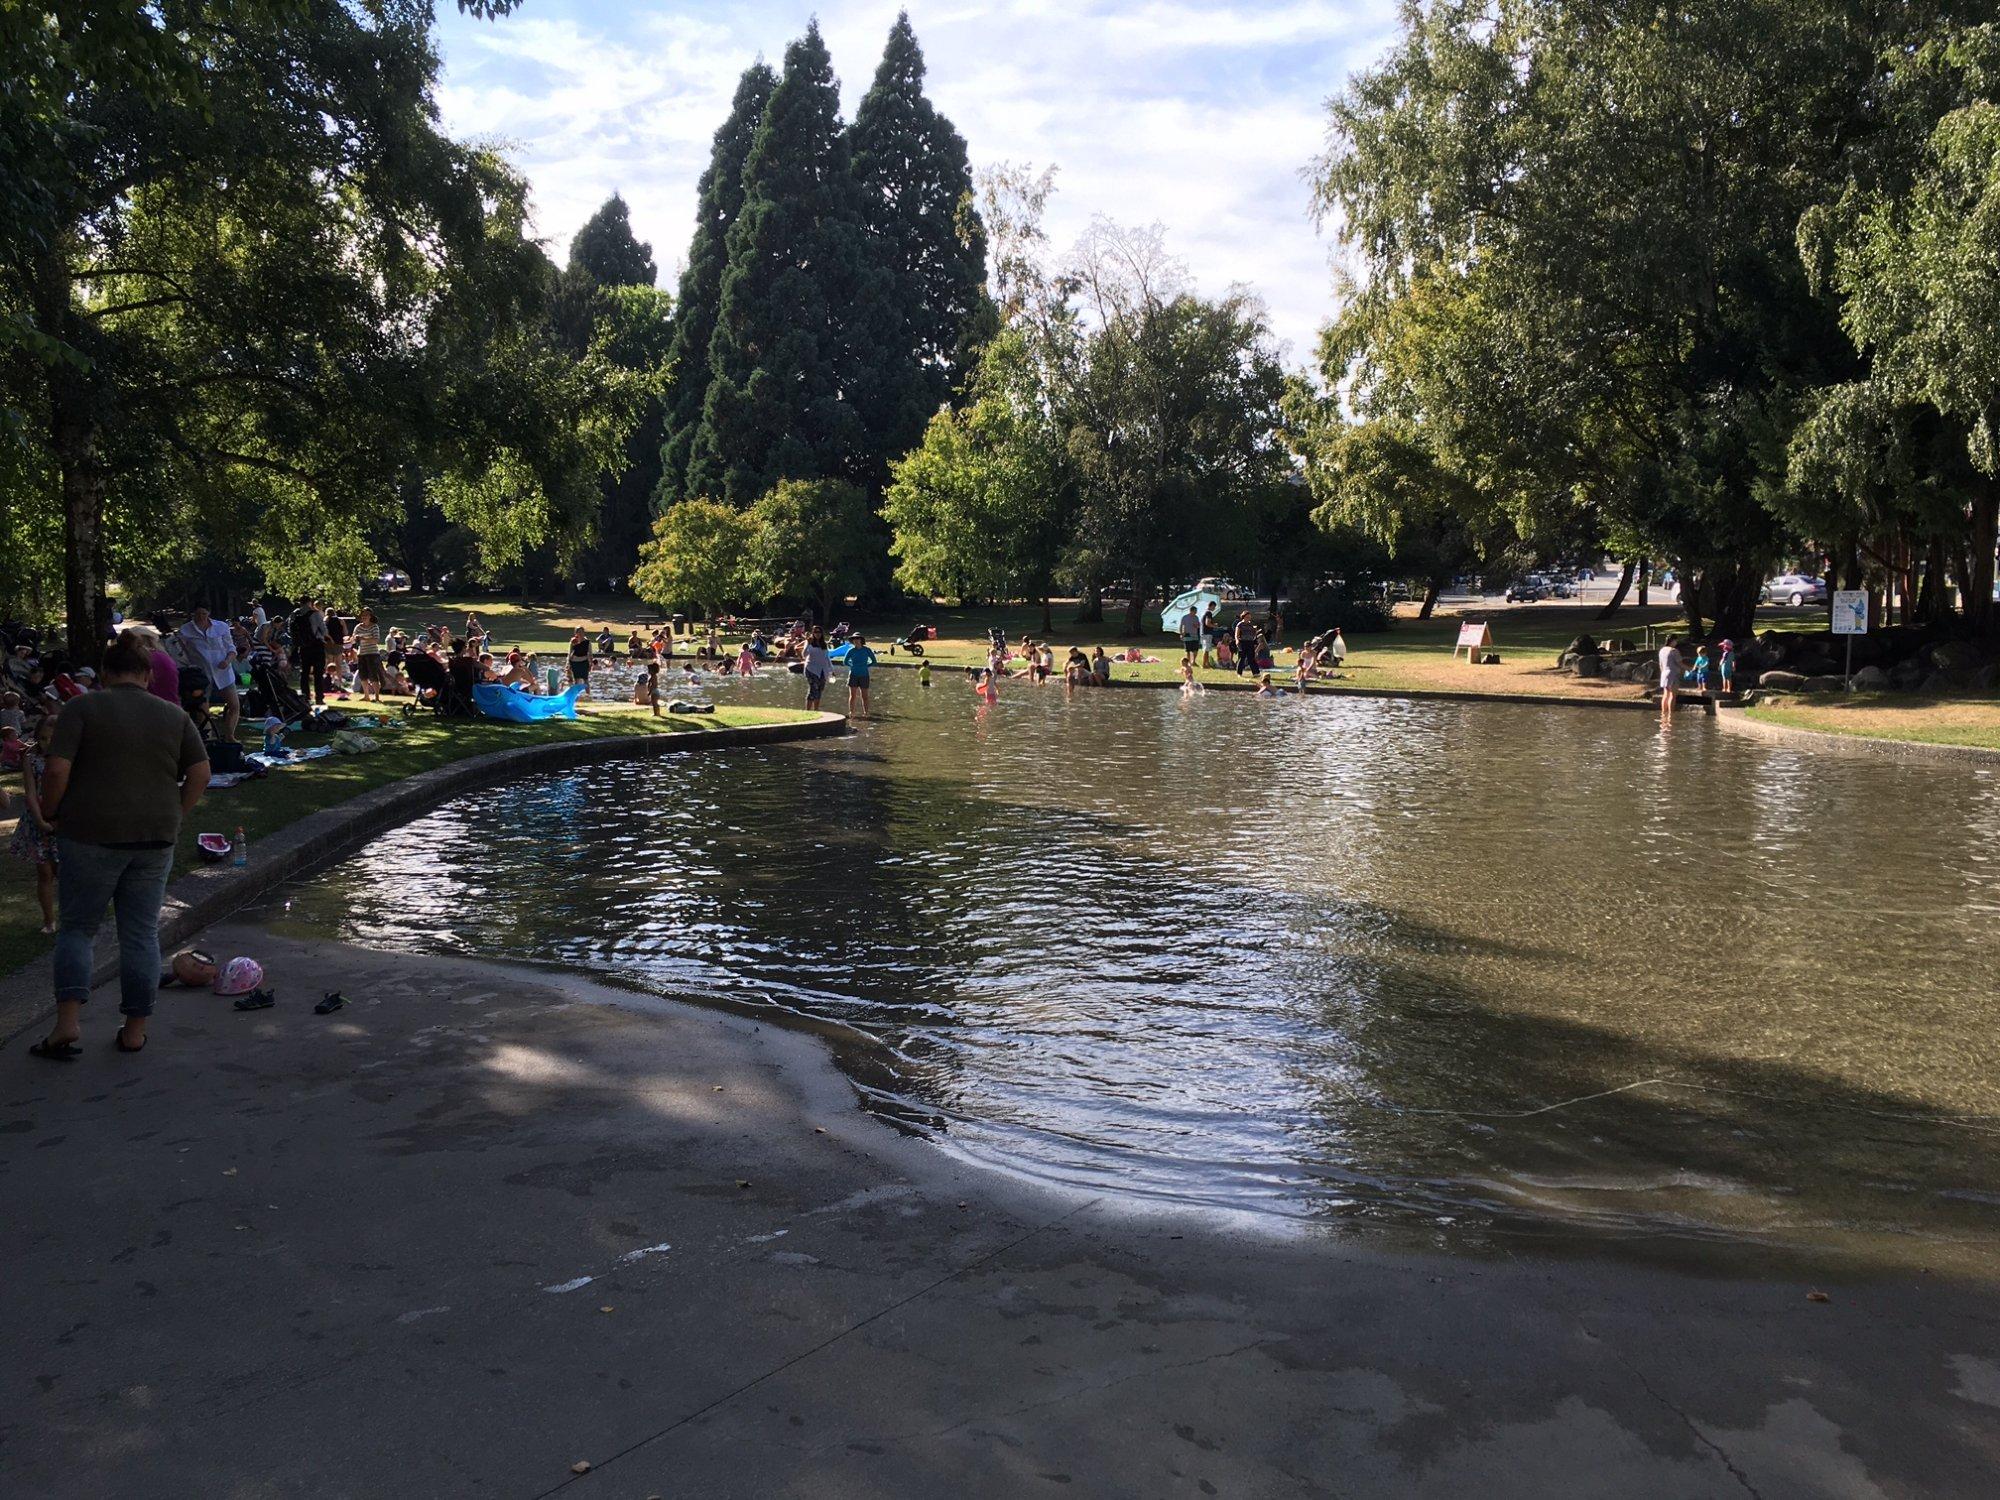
124 769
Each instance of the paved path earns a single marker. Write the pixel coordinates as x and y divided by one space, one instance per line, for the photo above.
482 1226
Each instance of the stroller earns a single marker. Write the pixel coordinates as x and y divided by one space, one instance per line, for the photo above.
435 689
195 693
272 695
914 641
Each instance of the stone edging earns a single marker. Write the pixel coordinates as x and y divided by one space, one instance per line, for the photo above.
207 895
1741 721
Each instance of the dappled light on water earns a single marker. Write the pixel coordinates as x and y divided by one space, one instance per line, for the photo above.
1458 967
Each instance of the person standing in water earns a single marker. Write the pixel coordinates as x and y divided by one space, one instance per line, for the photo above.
1672 664
816 667
860 661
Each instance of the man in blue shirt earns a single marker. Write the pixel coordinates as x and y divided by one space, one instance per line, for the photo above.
859 662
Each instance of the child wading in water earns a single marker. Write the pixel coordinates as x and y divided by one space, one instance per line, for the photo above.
34 839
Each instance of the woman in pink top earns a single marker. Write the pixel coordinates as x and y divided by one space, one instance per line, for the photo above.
166 679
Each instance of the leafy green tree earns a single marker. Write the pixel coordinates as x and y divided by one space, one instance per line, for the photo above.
984 507
799 278
923 226
1171 420
809 540
1382 477
1917 272
699 555
218 287
719 201
1578 231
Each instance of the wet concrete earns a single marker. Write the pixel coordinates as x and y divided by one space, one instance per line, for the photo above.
483 1225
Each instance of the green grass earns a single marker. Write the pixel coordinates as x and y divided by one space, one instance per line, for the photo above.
263 807
1412 656
1893 716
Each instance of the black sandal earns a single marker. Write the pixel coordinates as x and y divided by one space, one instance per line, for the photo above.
257 1000
56 1051
333 1001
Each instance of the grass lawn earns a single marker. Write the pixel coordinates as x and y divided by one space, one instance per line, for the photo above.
1893 716
1412 656
263 807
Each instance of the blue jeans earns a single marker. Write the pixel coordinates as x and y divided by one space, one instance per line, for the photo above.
133 882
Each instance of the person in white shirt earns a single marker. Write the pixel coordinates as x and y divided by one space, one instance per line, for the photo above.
207 642
1672 665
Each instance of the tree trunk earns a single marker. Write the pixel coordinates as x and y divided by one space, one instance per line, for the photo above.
1694 594
1432 588
1135 608
1645 581
1048 624
1617 599
1091 610
1733 590
74 435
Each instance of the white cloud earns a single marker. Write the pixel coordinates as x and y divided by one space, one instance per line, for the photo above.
1197 117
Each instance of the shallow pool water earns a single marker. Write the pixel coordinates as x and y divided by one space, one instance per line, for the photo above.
1444 965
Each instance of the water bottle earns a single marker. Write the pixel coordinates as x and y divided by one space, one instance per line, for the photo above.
242 848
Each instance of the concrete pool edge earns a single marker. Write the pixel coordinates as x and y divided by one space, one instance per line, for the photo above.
1741 721
202 897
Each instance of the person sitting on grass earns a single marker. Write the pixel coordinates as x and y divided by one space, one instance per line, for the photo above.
635 644
1076 669
1100 666
1308 664
607 647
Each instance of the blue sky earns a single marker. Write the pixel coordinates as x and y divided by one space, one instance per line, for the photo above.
1197 117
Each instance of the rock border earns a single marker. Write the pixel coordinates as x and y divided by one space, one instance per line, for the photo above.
1740 721
205 896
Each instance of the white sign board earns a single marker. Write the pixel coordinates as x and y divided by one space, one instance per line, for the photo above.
1473 637
1850 612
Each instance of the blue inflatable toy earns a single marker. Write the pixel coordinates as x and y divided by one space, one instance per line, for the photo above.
516 707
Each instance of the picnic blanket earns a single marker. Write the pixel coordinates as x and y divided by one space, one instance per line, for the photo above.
285 758
510 706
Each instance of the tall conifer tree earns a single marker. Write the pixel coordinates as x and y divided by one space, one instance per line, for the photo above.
781 357
916 196
609 251
720 198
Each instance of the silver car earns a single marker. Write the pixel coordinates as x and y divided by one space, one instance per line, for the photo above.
1795 589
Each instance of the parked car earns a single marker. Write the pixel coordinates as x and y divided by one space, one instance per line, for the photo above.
1561 589
1529 590
1795 589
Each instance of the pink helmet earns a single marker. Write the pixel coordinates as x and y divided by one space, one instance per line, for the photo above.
239 977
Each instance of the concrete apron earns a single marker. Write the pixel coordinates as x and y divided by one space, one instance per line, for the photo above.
208 894
486 1224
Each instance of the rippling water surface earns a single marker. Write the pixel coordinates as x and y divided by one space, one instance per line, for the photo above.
1352 960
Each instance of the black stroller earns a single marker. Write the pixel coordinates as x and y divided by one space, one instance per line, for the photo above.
195 696
435 689
272 695
914 641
